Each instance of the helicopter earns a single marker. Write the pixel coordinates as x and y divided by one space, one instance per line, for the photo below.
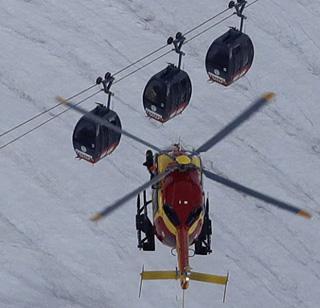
180 210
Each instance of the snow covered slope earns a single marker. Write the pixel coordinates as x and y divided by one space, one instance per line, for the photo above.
51 255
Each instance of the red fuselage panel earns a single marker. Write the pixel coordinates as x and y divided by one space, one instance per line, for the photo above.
183 192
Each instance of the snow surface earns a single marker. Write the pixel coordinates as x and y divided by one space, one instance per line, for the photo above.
52 256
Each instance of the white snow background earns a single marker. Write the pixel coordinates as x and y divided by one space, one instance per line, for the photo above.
51 255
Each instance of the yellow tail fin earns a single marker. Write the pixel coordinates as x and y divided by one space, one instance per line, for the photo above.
159 275
208 278
155 275
175 275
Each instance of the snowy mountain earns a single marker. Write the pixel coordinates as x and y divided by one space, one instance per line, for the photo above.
53 256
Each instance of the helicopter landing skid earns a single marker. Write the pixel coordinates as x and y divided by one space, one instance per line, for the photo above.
144 225
203 244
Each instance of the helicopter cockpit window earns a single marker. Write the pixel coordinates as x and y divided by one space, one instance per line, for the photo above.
193 216
86 135
171 214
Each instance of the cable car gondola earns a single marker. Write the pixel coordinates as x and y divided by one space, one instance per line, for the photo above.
231 55
92 141
168 92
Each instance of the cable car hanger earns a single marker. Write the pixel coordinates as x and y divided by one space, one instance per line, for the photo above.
239 6
177 43
106 83
232 4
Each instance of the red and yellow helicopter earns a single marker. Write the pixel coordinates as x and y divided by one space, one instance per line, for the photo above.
180 209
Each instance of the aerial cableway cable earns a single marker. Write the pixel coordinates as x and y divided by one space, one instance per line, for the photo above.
118 72
215 24
206 21
118 80
45 111
45 122
139 60
208 28
166 45
143 66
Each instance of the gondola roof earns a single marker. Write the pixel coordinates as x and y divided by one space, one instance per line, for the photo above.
169 73
231 37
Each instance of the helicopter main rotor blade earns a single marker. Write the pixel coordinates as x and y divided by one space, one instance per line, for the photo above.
256 194
109 125
130 195
245 115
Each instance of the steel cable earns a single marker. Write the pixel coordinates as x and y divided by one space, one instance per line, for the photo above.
118 72
118 80
44 112
45 122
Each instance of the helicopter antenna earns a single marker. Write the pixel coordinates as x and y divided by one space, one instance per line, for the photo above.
177 43
225 289
183 298
239 6
106 83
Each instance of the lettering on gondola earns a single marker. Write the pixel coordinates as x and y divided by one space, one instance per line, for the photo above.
214 77
153 114
84 155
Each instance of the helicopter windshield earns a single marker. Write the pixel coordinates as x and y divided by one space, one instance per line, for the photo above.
187 218
193 216
172 215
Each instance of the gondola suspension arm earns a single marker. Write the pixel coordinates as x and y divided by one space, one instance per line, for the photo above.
177 43
106 83
239 6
